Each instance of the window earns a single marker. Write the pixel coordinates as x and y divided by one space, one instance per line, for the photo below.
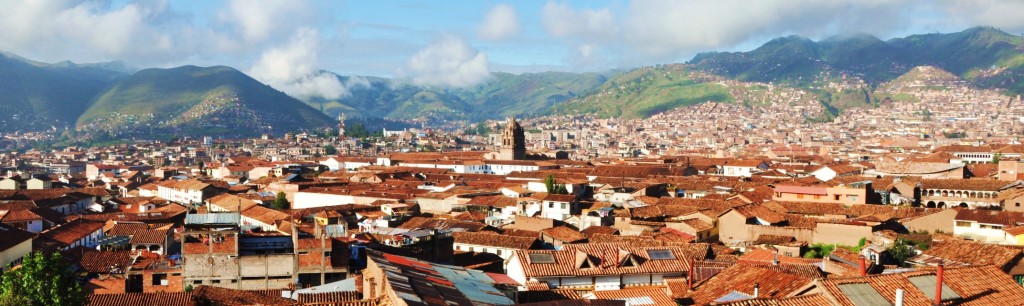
564 205
660 254
837 197
542 258
799 196
159 279
963 223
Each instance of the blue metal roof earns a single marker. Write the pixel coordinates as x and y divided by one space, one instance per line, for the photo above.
212 218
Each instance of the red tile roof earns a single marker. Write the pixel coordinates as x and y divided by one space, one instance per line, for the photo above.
69 233
773 282
494 240
606 259
978 285
564 234
142 299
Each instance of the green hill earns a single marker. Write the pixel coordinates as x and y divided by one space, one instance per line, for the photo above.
985 56
35 96
504 94
646 91
197 100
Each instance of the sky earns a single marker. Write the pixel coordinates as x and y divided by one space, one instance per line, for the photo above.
289 44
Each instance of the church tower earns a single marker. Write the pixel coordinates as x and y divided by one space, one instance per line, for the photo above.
513 141
341 126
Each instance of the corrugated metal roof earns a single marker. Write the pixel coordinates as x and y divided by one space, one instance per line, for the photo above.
926 283
212 218
862 294
730 297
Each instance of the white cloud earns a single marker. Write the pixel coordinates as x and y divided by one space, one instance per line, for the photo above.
292 69
670 29
560 20
448 61
91 30
1004 14
259 20
655 31
501 22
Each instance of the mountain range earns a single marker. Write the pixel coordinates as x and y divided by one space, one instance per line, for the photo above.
224 101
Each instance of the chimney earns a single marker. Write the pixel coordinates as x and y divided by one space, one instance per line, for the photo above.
757 289
775 259
689 278
938 285
899 297
863 267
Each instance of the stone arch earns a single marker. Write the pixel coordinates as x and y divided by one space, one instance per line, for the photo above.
931 204
942 205
963 205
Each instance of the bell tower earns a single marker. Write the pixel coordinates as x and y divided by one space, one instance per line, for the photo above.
513 141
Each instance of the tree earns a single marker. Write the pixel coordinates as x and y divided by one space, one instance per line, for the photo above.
552 187
42 280
281 202
901 251
330 150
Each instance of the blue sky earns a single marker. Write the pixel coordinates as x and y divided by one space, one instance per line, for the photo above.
286 43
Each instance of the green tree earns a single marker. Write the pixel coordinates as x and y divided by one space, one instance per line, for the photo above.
552 187
330 150
42 280
901 251
281 202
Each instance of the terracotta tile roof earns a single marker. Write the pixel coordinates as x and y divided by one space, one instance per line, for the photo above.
209 295
958 252
494 239
520 233
94 261
607 258
265 215
773 239
607 230
11 237
698 224
493 201
759 255
438 223
806 300
142 299
632 240
773 282
977 285
1006 218
854 211
70 232
329 297
149 236
655 296
968 184
231 202
564 234
126 228
663 211
761 212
